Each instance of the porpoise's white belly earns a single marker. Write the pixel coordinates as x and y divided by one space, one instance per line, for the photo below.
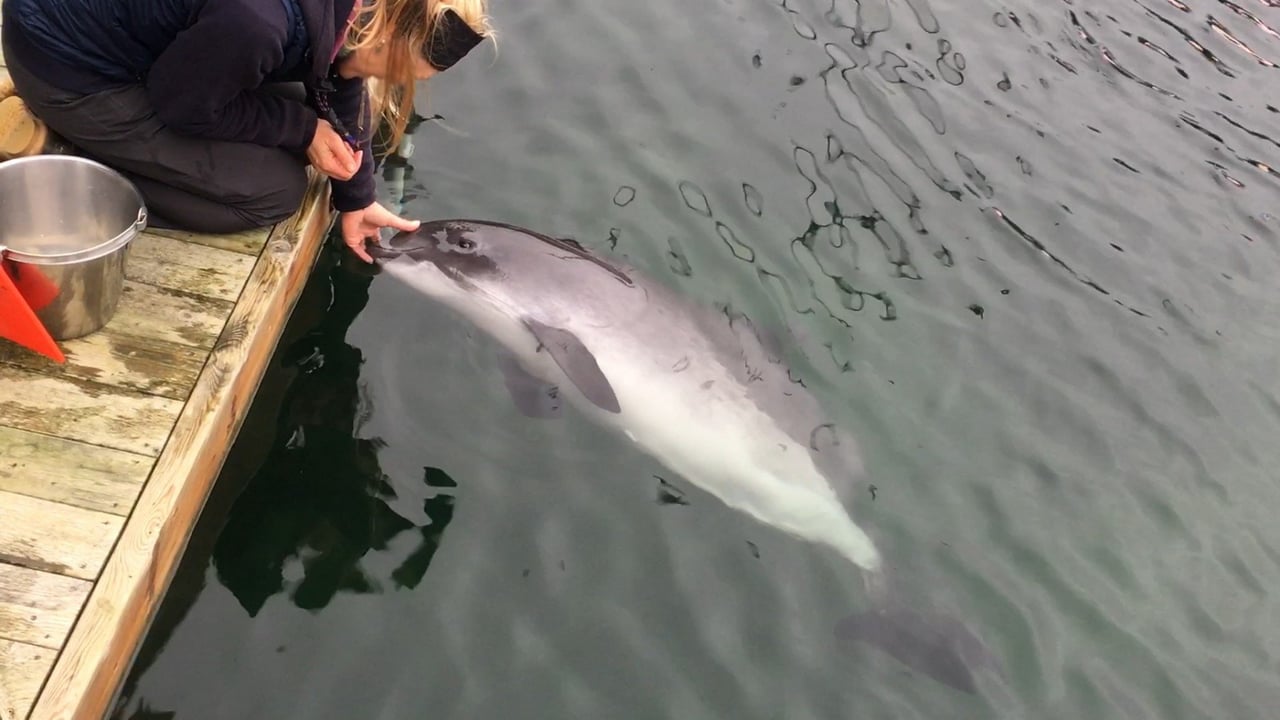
694 416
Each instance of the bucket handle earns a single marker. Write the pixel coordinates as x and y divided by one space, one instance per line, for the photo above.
139 225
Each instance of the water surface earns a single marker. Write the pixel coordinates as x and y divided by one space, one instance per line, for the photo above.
1025 251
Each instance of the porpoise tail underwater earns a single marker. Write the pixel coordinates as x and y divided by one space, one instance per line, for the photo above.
695 387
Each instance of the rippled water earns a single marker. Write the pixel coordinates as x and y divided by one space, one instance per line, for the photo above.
1026 253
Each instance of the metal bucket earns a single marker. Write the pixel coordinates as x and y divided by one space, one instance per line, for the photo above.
67 223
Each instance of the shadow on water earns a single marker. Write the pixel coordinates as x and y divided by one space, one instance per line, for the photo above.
299 484
321 494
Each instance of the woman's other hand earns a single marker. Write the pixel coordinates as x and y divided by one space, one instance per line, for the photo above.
331 155
361 225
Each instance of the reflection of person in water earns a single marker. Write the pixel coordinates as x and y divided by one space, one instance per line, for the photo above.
396 169
321 493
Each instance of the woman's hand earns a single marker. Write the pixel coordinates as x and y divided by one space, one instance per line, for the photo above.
331 155
361 225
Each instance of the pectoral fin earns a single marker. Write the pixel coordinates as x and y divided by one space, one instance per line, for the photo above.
531 396
577 362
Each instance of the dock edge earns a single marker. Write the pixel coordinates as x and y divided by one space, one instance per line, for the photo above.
91 667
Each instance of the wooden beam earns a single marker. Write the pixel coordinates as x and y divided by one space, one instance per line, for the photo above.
86 411
199 269
69 472
38 608
249 242
25 668
91 667
171 315
120 358
55 538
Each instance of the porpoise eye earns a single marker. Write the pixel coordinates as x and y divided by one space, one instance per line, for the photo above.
466 244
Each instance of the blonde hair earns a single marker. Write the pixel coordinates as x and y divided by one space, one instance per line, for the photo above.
405 27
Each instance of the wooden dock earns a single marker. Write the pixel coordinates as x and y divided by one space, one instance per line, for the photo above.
106 461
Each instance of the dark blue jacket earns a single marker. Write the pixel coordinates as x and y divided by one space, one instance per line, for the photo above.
202 62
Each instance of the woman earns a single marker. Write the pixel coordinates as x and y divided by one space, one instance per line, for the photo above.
213 108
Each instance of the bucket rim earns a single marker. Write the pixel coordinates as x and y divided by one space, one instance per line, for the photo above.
106 247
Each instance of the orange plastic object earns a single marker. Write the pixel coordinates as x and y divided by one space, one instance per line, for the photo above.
37 289
18 322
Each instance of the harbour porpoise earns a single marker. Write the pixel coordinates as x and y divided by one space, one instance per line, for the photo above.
697 388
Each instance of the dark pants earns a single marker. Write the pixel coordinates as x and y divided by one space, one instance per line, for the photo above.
188 183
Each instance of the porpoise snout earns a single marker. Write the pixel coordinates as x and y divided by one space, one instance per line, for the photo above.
398 244
378 251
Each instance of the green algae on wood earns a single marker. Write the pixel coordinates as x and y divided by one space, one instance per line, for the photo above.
85 411
194 268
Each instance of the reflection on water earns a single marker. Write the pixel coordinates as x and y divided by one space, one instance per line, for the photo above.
1024 250
321 496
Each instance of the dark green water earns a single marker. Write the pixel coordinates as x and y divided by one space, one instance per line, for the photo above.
1029 256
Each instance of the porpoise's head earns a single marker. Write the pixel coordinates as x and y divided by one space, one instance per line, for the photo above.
459 251
508 265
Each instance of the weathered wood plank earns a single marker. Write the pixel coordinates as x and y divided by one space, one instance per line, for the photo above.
22 668
249 242
169 315
193 268
38 608
72 473
88 412
53 537
92 664
111 357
